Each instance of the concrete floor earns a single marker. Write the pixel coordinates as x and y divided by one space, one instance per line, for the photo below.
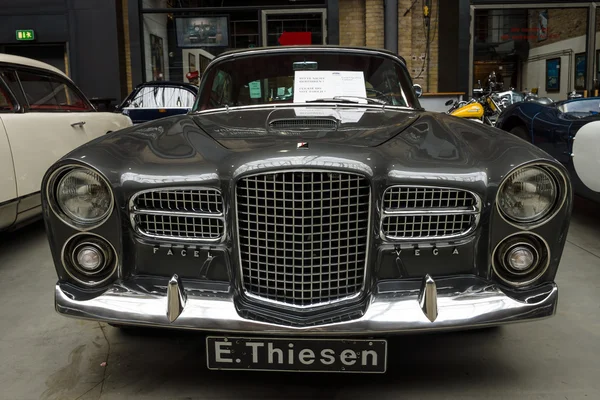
44 355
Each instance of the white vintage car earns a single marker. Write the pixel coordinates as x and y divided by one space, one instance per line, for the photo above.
43 116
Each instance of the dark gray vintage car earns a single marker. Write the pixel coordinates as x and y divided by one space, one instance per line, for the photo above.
303 211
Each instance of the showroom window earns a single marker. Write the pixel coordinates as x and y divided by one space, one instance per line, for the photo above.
48 93
534 50
180 43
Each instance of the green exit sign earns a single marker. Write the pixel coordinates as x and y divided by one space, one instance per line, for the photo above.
25 34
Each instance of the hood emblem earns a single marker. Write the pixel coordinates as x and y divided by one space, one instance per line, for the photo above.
302 145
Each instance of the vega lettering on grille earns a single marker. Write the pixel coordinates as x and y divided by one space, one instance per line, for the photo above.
303 235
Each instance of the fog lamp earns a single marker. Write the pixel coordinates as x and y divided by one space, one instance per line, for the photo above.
90 259
520 258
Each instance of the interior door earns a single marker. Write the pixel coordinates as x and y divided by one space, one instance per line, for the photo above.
277 22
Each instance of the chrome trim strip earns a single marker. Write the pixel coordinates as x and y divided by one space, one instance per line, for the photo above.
178 213
134 211
315 306
461 302
475 211
428 211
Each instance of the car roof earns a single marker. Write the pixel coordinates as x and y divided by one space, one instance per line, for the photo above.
305 48
29 62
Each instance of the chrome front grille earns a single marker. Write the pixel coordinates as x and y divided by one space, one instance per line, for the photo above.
303 235
185 214
422 212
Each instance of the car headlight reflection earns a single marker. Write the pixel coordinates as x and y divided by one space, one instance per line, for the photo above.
81 196
528 194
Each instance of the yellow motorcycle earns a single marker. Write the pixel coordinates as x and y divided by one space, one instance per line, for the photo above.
484 109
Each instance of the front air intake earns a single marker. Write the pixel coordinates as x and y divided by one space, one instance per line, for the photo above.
303 236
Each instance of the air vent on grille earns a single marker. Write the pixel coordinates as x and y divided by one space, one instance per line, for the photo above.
315 123
303 235
187 214
428 213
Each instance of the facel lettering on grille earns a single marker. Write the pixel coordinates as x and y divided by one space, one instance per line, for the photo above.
169 251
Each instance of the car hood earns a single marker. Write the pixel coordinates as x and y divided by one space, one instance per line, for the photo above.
388 147
259 128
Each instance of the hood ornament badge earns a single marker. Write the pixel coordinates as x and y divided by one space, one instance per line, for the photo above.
302 145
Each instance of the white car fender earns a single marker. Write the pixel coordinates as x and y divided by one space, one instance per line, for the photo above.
586 155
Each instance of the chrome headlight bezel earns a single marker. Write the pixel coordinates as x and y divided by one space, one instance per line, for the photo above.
561 187
51 195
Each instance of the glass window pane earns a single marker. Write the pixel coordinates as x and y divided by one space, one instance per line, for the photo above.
39 91
68 99
535 51
6 101
162 97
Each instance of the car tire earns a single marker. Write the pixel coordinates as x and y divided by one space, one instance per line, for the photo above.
521 132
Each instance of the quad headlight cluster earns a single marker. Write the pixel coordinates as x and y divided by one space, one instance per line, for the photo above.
530 195
80 196
527 198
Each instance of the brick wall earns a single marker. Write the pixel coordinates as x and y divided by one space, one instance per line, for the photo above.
362 24
352 23
563 23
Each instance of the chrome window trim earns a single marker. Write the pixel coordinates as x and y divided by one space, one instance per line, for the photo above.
67 269
316 306
475 211
50 195
562 187
134 211
537 276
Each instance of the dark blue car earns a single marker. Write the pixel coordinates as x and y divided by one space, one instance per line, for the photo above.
153 100
567 130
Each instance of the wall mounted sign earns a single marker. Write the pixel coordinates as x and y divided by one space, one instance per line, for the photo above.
580 71
25 34
542 31
553 75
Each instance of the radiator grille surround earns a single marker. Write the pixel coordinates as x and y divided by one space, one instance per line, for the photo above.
428 212
303 236
181 214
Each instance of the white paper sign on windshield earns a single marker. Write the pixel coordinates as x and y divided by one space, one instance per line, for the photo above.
313 85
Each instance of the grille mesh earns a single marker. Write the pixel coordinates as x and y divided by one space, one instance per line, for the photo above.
403 197
428 212
426 226
195 200
186 214
303 235
303 123
179 226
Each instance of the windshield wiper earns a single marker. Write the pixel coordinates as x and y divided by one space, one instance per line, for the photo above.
347 99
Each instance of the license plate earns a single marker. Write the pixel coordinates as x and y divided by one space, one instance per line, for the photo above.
316 355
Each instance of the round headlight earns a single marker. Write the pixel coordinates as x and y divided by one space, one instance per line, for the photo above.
527 195
84 196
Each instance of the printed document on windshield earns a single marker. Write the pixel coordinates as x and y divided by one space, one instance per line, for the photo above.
313 85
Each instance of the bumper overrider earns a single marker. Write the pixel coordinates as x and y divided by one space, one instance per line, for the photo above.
393 307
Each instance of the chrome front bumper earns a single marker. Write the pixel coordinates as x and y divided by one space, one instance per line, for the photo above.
443 304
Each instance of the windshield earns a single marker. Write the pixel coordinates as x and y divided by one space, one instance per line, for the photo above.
306 77
581 108
162 97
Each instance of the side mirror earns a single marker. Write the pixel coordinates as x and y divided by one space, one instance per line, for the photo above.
449 102
418 89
